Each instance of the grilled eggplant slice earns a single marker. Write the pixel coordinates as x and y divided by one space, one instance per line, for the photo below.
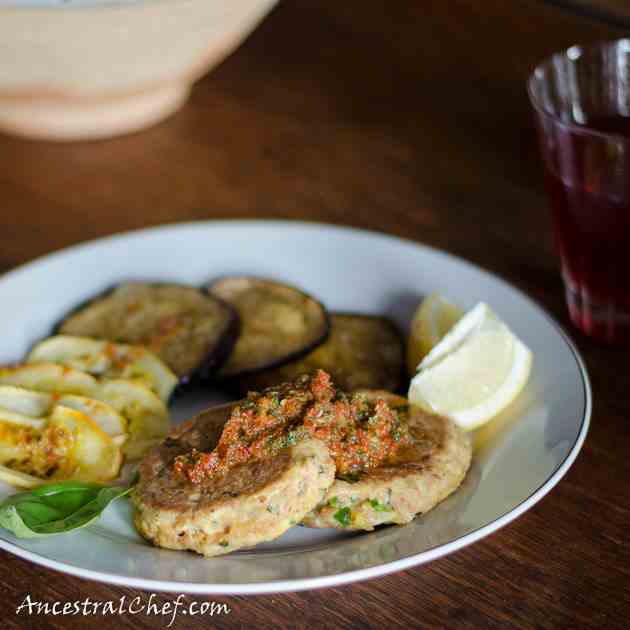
147 415
279 323
362 352
107 359
191 331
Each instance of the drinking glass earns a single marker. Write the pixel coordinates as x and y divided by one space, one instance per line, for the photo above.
581 100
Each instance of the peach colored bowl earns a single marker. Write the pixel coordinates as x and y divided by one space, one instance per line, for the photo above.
92 69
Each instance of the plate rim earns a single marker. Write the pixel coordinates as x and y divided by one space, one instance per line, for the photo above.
356 575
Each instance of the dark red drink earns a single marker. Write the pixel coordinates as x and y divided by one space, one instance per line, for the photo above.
581 97
589 186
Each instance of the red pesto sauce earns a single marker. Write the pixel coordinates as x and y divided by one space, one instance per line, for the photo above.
360 434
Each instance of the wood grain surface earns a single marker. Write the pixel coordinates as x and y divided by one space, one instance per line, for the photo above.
404 117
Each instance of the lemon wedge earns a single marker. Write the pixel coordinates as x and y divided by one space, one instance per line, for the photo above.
432 320
474 372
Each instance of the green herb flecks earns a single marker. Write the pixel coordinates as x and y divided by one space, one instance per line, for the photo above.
56 508
342 516
380 507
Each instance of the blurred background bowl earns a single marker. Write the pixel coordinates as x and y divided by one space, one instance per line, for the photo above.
82 69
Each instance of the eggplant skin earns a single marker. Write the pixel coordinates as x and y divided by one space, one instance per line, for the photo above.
362 352
191 331
279 323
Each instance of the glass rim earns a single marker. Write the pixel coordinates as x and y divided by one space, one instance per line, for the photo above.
540 108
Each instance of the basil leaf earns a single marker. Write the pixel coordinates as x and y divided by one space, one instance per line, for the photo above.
56 508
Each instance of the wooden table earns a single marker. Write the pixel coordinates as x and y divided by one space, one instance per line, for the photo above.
404 117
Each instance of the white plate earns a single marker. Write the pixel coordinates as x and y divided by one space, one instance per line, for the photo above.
524 454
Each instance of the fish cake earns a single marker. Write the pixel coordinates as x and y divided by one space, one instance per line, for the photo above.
251 503
418 478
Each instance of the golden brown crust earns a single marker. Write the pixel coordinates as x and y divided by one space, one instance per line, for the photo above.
162 488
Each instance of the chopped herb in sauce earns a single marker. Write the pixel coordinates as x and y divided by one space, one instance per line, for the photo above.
342 516
380 507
